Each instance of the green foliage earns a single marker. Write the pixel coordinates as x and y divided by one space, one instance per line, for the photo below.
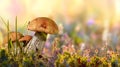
76 39
3 55
76 60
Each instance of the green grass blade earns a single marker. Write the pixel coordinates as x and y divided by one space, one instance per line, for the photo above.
9 45
17 41
16 27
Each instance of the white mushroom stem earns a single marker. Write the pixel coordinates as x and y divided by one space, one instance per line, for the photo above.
37 42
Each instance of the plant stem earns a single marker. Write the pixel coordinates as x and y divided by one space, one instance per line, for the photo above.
8 37
16 33
16 27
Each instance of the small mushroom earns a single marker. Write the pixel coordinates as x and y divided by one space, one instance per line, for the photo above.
12 37
41 26
25 39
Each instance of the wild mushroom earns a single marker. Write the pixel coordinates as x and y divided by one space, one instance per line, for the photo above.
12 37
42 26
24 41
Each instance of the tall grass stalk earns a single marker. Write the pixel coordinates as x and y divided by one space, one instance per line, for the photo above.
20 54
8 36
16 28
10 44
16 35
17 42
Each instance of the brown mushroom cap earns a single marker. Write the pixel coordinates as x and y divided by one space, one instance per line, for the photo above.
12 36
43 24
25 38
